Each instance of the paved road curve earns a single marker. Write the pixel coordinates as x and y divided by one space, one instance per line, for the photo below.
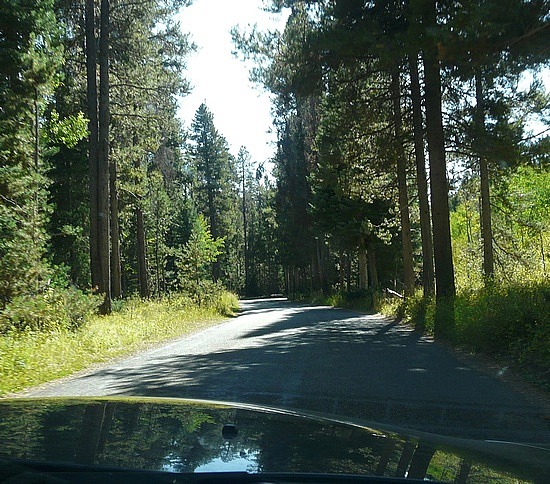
323 359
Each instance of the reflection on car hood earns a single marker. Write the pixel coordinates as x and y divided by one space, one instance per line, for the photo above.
203 436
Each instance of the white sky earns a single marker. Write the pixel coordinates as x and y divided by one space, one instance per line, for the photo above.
241 110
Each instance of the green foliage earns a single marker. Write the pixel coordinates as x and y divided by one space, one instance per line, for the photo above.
195 261
508 320
30 58
521 221
54 309
67 131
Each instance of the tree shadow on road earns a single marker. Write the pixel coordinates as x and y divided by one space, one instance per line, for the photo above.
329 360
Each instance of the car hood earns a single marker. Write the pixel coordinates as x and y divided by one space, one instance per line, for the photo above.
195 436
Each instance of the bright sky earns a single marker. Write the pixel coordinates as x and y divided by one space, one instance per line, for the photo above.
241 110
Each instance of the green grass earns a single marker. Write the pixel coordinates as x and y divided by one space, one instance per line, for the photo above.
28 358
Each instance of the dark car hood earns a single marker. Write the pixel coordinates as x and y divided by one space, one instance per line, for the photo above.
195 436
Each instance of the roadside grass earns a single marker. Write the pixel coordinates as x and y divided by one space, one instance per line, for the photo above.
29 358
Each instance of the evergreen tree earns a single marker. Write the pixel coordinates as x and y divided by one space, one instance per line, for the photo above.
30 58
214 184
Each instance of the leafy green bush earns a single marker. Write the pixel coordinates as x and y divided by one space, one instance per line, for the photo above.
227 304
54 309
511 320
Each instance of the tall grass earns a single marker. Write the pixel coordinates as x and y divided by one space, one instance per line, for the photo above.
31 357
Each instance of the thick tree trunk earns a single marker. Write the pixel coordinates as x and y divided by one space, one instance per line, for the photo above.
406 244
91 98
444 270
486 226
445 289
116 266
421 182
103 161
405 459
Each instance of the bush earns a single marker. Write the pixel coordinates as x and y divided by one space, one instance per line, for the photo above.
511 320
51 310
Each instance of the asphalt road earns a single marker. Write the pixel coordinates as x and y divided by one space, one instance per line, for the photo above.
279 353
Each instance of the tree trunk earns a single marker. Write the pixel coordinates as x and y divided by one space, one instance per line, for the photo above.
141 253
91 98
405 459
141 248
422 183
406 244
245 233
464 472
444 270
341 270
445 289
103 161
373 270
422 457
362 255
486 227
443 256
116 266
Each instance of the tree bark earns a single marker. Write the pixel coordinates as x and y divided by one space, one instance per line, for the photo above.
103 161
486 225
421 460
373 270
444 270
245 231
91 98
362 256
406 244
116 266
422 182
143 277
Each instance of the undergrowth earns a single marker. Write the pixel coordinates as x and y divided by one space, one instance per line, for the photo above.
29 357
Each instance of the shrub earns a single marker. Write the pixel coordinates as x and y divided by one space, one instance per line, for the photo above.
55 308
511 319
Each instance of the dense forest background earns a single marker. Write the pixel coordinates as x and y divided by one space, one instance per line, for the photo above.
412 156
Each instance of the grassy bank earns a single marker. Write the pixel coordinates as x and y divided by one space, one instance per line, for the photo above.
28 357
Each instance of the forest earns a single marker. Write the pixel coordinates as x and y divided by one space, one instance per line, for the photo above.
412 160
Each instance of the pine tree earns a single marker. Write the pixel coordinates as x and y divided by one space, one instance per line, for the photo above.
30 59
